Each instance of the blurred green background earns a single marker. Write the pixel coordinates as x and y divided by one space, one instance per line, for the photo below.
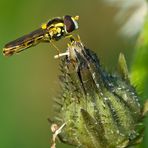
29 81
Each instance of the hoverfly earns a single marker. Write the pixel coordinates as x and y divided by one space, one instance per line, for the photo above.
53 30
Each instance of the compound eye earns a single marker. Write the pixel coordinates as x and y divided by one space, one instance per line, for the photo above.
69 23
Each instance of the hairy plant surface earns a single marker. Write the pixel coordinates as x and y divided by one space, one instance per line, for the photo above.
99 110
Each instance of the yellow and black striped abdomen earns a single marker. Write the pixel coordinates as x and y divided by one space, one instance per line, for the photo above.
24 42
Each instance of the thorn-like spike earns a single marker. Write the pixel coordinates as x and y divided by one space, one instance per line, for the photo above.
79 40
122 67
145 108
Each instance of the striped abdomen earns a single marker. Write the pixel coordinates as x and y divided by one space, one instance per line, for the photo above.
24 42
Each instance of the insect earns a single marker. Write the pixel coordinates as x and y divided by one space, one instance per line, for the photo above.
53 30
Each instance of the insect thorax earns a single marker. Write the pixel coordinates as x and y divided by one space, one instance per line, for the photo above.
56 31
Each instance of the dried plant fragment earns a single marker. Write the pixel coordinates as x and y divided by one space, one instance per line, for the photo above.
56 130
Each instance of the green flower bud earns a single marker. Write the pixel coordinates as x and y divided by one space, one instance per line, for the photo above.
98 110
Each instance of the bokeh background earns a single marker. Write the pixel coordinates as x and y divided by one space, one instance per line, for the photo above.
29 80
